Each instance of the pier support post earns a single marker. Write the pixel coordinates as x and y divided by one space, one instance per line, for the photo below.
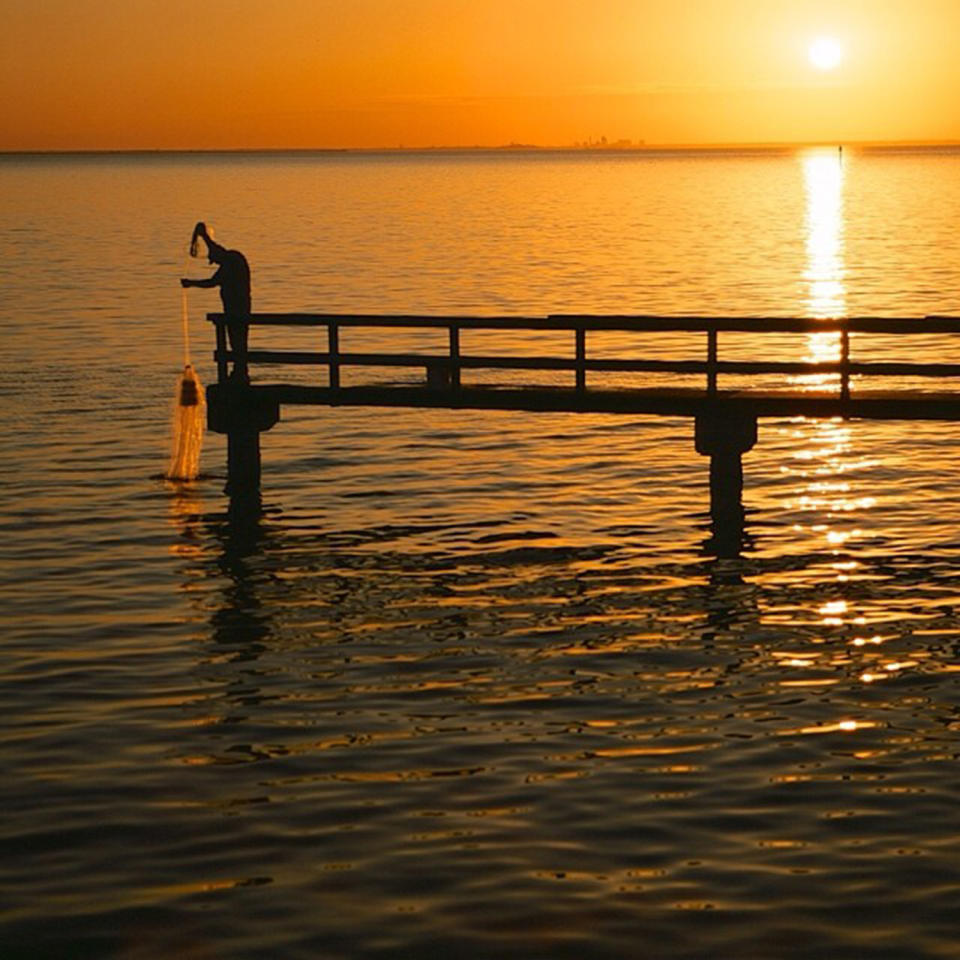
242 413
724 440
243 460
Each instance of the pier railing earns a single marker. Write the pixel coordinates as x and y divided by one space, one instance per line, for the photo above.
444 370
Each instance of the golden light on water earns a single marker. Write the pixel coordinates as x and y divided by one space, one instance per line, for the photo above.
825 274
841 726
825 464
834 607
825 277
825 458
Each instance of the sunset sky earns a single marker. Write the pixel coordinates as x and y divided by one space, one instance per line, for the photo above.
173 74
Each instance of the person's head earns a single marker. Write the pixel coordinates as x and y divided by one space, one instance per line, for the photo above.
214 251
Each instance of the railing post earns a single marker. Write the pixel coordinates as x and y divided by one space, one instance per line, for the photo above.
712 361
454 357
581 358
845 364
333 349
221 351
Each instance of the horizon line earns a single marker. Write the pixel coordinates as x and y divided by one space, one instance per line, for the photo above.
615 147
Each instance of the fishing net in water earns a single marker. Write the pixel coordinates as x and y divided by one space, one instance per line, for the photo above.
189 412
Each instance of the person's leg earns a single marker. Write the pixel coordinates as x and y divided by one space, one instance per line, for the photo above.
239 332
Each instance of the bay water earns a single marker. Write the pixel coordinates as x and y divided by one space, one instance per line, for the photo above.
476 684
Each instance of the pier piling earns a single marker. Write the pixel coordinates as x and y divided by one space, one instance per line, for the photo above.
242 414
724 440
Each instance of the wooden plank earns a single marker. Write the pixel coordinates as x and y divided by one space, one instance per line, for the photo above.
580 349
296 358
388 321
626 323
676 402
455 364
712 365
889 369
695 324
678 367
845 365
685 367
333 351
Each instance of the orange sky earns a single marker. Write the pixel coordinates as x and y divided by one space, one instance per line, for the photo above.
203 74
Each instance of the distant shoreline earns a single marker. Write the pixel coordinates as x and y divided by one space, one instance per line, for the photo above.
513 148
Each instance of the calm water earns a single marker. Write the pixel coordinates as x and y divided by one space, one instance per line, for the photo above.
476 685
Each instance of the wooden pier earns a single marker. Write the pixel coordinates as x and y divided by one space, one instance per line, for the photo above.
725 420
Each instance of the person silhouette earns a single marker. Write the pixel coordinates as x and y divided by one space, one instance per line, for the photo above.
233 279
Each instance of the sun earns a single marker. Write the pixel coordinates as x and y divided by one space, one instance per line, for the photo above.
826 53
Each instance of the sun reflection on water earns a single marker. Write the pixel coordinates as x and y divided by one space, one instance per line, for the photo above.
825 276
826 272
823 459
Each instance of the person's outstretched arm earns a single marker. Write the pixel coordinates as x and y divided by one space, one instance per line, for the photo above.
209 282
